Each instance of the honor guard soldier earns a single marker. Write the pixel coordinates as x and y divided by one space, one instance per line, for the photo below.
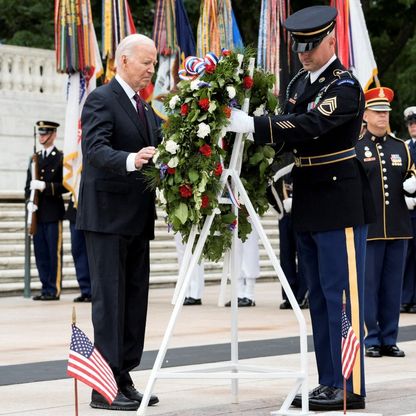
332 202
50 210
389 167
409 279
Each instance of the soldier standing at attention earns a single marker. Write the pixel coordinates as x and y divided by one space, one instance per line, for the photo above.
388 164
409 279
332 202
50 210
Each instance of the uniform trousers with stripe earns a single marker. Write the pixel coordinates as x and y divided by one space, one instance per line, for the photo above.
334 261
383 287
47 243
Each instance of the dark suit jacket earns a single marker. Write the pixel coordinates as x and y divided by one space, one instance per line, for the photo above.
50 203
111 199
321 119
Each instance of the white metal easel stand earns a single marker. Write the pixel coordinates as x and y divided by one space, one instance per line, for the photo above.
233 370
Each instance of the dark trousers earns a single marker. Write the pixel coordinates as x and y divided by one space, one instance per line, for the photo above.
383 288
288 258
119 269
79 254
47 243
409 278
334 262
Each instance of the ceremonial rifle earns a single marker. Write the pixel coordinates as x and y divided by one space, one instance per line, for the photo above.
34 193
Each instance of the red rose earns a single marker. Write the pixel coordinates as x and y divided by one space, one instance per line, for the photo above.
226 52
171 171
184 110
210 68
247 82
218 169
205 201
205 150
185 191
204 103
227 111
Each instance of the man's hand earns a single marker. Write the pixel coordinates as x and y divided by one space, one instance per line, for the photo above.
240 122
31 207
143 155
37 185
409 185
287 204
410 202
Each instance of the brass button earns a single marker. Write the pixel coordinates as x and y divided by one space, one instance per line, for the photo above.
295 151
334 178
387 203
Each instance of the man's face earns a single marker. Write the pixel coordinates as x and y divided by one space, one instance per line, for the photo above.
411 126
139 67
377 121
319 56
47 140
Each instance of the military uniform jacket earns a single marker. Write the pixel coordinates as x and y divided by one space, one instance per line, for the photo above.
322 119
387 163
50 203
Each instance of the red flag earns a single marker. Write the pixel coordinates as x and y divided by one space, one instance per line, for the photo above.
86 364
350 346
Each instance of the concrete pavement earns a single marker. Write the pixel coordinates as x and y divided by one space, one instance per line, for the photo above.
35 340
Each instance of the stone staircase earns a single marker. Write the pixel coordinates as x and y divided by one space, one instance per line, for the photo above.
164 265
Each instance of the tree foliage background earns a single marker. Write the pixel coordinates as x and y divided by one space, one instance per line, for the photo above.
391 24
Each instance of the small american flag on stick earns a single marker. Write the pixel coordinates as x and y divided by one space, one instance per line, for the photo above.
86 364
350 345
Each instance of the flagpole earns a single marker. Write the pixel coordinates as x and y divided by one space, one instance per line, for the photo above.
74 321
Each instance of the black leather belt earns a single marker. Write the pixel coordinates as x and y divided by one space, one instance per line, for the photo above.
305 161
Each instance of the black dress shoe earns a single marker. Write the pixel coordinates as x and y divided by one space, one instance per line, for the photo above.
285 305
304 304
82 298
244 302
297 401
192 301
373 351
228 304
412 309
131 393
391 351
333 399
404 308
121 402
45 297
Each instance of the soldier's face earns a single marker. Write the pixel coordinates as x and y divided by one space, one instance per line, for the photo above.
139 66
46 140
377 121
411 126
319 56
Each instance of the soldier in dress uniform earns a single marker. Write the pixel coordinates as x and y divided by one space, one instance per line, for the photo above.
389 167
409 279
332 202
50 211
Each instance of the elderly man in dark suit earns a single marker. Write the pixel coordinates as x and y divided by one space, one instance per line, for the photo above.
117 211
332 202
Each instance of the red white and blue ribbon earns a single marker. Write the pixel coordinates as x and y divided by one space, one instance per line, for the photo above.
194 66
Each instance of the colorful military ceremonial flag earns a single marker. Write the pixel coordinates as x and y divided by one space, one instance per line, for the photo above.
350 346
86 364
353 42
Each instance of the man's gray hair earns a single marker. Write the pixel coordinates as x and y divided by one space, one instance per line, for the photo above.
126 46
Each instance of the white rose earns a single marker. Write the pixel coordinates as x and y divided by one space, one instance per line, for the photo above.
171 146
156 156
173 101
203 130
195 84
173 162
231 92
212 107
259 111
217 211
160 196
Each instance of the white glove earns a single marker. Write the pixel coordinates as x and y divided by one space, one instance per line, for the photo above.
287 204
409 185
410 202
31 207
240 122
39 185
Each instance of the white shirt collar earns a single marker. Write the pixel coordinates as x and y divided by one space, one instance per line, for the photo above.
314 75
48 150
126 87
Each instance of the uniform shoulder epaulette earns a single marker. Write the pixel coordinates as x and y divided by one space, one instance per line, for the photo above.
345 77
393 136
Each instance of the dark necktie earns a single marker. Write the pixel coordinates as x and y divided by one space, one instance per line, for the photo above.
140 110
43 154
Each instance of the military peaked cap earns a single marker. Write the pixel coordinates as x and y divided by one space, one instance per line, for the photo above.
46 127
410 114
379 99
309 26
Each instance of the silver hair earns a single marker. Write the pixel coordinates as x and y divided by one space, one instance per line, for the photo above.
126 46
